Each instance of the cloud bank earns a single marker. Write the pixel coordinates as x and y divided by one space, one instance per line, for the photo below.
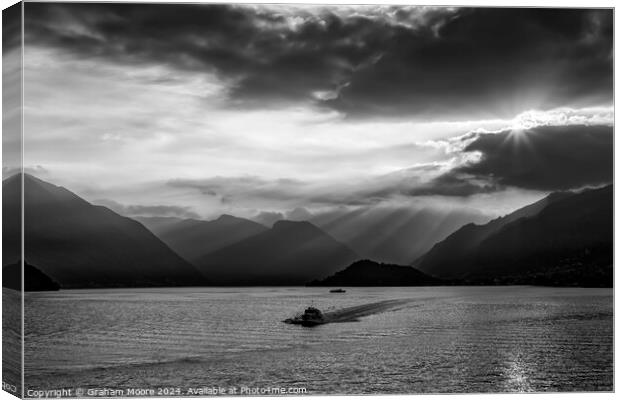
274 111
544 158
365 62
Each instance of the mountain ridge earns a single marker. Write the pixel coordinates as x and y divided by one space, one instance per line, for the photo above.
193 239
289 253
78 244
472 234
572 231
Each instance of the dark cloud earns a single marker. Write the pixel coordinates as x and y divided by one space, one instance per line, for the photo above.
493 61
453 184
545 158
390 61
134 210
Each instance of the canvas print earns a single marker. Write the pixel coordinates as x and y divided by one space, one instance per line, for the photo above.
306 199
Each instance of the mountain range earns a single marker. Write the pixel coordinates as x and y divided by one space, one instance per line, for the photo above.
565 239
290 253
78 244
193 239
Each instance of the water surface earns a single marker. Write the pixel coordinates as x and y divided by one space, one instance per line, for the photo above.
404 340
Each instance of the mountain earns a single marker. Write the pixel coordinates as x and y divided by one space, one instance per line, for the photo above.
394 235
290 253
565 240
78 244
370 273
469 236
193 239
35 280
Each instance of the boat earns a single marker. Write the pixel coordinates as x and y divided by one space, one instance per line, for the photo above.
337 291
312 316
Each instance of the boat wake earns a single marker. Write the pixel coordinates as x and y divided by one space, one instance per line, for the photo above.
348 314
351 314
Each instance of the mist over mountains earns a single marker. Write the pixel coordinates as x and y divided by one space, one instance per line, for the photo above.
395 235
564 239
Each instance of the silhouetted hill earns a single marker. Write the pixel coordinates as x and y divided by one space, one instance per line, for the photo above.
81 245
34 280
290 253
193 239
568 241
370 273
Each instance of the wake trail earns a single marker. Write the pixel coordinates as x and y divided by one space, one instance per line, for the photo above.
350 314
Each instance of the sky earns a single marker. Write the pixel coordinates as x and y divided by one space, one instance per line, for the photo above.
198 110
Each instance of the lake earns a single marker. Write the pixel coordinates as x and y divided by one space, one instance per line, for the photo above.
405 340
